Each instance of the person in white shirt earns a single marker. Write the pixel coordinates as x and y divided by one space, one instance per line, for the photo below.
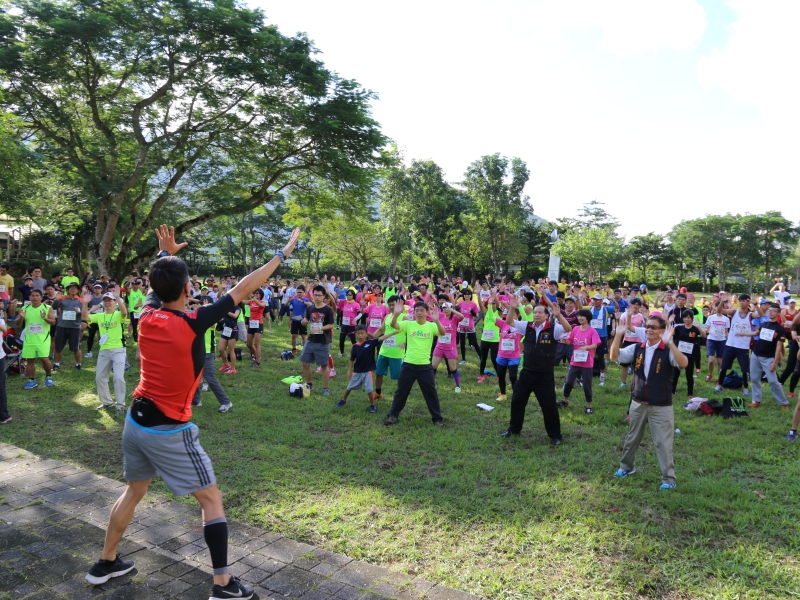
781 295
5 416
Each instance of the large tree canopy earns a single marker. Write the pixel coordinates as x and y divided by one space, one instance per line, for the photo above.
187 108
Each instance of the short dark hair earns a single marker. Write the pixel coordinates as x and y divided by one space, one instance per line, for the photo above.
687 313
636 301
260 293
552 282
36 291
586 314
774 305
421 304
48 284
662 324
560 294
168 278
744 297
444 297
681 295
530 296
56 274
393 298
320 289
361 327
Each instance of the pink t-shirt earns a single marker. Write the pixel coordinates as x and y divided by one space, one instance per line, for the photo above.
350 311
449 323
638 321
504 298
467 309
580 338
376 313
509 340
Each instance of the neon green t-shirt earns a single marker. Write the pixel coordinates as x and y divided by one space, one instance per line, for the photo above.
110 325
133 299
37 330
491 332
392 349
209 340
419 341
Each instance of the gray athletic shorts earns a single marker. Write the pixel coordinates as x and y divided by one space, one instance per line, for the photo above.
314 352
361 378
172 451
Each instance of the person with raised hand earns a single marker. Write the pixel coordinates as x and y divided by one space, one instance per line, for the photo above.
651 395
158 436
537 377
417 362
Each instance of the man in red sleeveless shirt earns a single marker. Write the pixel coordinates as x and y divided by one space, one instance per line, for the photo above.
158 435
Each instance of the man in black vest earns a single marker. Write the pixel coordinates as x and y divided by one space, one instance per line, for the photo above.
541 344
651 395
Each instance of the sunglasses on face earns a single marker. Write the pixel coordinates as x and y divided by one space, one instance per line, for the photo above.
656 327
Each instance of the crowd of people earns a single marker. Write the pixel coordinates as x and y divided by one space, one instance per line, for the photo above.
403 331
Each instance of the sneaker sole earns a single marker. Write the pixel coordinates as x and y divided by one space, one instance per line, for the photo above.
212 597
101 580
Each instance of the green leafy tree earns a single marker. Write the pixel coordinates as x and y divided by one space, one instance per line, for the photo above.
646 250
591 252
192 109
496 185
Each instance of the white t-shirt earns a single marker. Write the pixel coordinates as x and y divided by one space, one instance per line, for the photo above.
781 297
717 324
739 324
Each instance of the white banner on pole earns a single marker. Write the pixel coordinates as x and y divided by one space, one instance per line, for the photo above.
554 267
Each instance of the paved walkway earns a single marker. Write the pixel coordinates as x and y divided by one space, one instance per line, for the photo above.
52 520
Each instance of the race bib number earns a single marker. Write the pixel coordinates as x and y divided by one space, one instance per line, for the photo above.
68 315
767 335
596 323
507 345
390 342
2 289
445 339
35 328
103 339
489 334
254 323
136 315
686 347
464 323
742 328
375 323
345 320
505 312
717 332
316 328
227 331
580 356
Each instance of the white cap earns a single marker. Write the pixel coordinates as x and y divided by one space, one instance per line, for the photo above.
597 297
390 281
109 295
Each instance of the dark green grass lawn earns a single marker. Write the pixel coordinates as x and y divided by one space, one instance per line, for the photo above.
503 518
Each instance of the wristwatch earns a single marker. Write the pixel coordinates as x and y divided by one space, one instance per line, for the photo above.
163 253
280 254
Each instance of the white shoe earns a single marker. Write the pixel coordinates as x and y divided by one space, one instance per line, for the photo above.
457 390
204 388
88 355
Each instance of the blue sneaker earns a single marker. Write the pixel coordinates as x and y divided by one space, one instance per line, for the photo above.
667 486
746 392
792 435
341 403
31 384
489 372
624 473
48 381
373 408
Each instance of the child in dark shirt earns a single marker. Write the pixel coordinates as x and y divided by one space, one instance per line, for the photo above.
362 363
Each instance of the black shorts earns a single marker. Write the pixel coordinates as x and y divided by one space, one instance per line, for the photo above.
72 335
348 329
233 336
298 328
255 330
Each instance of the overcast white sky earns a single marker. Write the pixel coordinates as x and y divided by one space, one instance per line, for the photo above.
691 106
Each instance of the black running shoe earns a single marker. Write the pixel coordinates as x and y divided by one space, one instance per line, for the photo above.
103 570
234 589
